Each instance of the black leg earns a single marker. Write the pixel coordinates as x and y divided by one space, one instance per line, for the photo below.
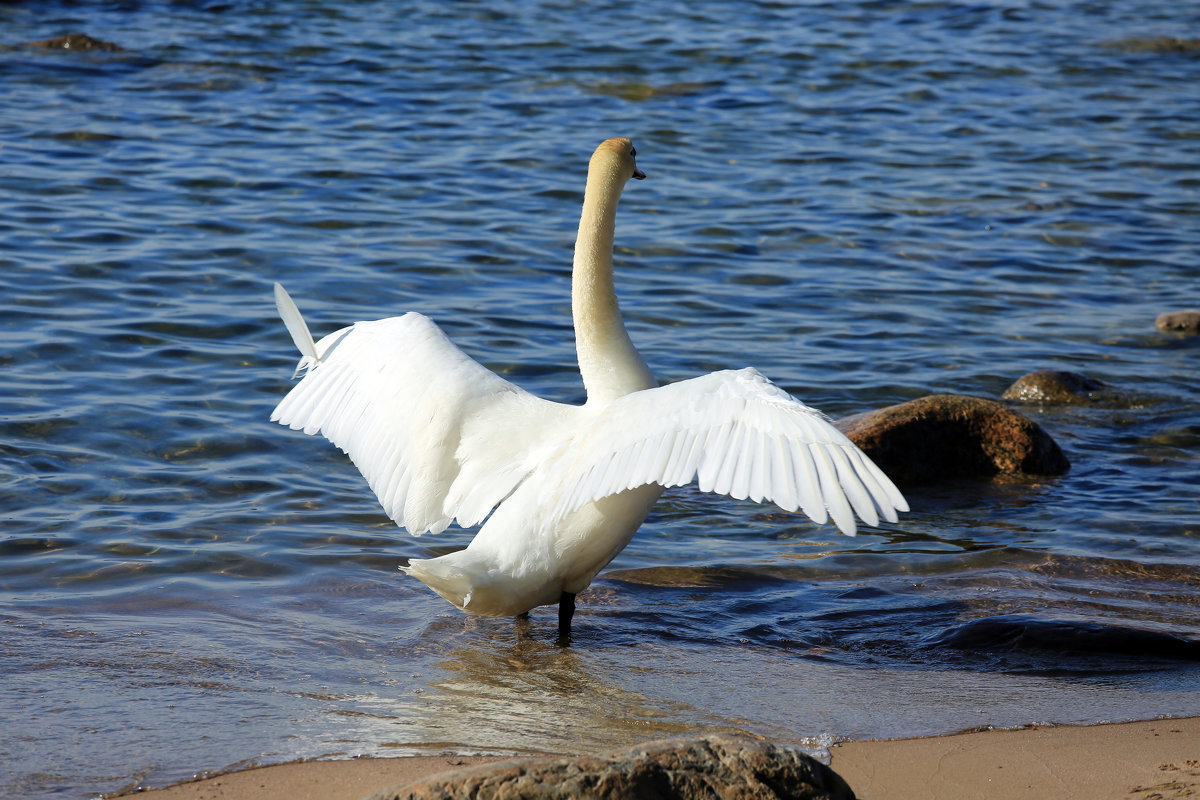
566 610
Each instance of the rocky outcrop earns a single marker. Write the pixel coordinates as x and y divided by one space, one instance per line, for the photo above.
75 41
1157 44
715 767
953 436
1178 322
1054 387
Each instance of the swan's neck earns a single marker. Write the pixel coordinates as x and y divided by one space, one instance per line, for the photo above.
610 365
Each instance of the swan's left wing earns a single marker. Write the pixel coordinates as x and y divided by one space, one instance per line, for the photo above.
738 434
438 436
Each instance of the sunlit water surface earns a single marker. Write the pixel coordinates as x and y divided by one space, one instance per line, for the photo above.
869 201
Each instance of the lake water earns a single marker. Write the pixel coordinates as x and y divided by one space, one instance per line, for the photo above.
869 201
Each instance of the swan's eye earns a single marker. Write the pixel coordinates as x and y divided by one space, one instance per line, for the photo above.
633 152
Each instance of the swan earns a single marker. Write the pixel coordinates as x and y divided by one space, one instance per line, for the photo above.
560 489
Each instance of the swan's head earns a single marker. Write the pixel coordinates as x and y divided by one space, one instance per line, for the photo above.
618 155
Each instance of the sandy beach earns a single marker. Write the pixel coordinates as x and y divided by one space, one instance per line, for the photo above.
1154 760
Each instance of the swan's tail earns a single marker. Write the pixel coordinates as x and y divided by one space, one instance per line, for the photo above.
444 576
297 328
473 582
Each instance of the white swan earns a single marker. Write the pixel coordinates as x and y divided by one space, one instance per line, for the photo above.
442 439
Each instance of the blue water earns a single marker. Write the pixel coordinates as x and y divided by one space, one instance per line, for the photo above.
869 201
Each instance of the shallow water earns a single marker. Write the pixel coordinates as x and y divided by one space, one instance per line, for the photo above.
869 201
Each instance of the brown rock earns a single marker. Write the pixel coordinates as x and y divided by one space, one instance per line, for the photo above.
1178 322
1157 44
953 436
716 767
75 41
1052 386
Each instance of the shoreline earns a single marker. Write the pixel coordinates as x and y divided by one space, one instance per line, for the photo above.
1149 760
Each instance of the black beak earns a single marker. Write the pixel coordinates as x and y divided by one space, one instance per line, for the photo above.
637 173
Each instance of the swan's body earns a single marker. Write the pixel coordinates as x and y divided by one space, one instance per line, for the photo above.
563 488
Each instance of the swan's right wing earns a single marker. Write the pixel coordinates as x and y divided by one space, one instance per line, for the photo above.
438 436
736 433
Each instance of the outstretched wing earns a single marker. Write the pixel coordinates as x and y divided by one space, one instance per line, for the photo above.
737 434
438 437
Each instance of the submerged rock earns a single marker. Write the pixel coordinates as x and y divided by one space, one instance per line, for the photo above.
1157 44
712 767
75 41
1054 386
1008 633
1178 322
945 436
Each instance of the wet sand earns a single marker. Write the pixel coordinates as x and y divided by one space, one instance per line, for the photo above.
1156 760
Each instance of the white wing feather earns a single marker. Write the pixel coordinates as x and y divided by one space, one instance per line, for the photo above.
737 434
296 327
438 437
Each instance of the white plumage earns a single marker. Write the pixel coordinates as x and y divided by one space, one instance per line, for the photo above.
562 488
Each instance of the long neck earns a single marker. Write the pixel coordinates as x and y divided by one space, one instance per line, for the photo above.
610 365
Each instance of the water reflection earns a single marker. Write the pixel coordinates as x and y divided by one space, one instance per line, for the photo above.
518 688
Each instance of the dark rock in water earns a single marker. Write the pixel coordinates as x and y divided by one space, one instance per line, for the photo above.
75 41
1015 632
1054 386
945 436
1157 44
1178 322
713 767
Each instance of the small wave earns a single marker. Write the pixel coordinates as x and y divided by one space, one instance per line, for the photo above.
1012 634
